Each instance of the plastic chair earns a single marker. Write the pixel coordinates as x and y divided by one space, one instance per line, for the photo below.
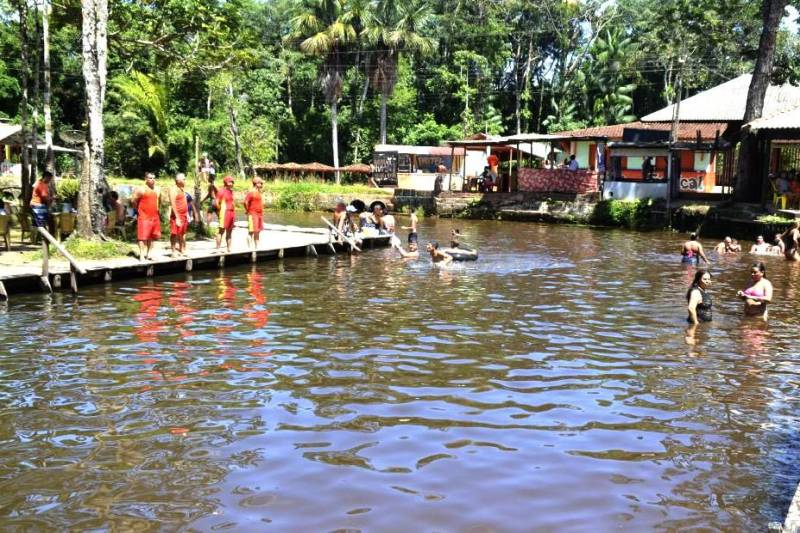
26 226
778 198
65 224
112 227
5 230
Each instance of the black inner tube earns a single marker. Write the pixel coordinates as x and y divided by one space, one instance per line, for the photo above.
461 254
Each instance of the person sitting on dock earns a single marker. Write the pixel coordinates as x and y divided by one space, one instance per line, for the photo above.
760 247
727 247
254 207
227 215
148 223
178 216
41 200
692 251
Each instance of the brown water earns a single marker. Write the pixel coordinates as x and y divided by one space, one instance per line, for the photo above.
547 386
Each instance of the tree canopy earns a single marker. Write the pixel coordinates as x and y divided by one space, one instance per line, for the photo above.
291 70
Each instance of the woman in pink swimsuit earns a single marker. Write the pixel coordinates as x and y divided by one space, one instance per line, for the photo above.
758 294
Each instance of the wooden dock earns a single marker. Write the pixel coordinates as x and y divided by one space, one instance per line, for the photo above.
276 242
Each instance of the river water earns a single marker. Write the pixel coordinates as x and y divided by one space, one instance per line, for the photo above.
547 386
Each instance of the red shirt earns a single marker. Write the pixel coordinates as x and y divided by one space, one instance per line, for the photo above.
253 204
181 208
225 195
41 194
148 204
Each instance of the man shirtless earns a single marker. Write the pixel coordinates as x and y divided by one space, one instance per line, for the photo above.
413 250
438 256
791 241
692 251
727 246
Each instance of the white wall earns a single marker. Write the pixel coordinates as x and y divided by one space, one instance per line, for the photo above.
476 160
582 153
626 190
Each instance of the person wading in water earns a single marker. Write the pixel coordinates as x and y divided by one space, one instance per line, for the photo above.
791 242
438 256
692 251
758 294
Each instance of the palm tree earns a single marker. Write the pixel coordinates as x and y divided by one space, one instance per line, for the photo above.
326 31
143 96
392 27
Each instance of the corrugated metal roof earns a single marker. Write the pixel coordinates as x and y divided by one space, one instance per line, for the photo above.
418 150
687 131
7 130
782 121
726 102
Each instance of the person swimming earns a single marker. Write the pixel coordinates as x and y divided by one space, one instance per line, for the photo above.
728 246
437 256
760 247
692 251
791 241
758 294
413 250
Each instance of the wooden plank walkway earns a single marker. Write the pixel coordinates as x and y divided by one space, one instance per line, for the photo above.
276 241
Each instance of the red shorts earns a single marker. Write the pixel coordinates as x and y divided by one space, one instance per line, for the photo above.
230 218
256 223
175 230
148 229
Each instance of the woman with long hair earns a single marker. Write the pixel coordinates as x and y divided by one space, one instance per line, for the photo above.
758 293
698 298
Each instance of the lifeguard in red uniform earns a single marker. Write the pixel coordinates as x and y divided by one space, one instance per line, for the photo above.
254 207
148 223
179 216
227 216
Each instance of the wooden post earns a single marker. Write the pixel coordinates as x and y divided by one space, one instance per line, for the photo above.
189 265
332 247
310 250
107 276
280 253
73 280
253 257
150 271
44 279
3 293
221 261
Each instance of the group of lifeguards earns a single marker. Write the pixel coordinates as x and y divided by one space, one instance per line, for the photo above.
146 201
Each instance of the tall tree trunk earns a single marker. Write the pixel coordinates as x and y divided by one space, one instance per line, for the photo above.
95 54
335 137
22 10
384 103
235 130
50 160
37 36
748 184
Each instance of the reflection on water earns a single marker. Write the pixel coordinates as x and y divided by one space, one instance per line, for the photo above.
549 385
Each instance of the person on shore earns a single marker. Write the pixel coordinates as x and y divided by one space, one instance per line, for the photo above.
148 222
254 207
412 233
211 198
758 293
760 247
728 246
114 205
178 216
778 247
573 163
692 251
42 200
193 210
791 241
437 256
698 298
227 216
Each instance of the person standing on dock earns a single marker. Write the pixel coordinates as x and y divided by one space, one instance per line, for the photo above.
254 207
148 223
227 216
41 200
178 216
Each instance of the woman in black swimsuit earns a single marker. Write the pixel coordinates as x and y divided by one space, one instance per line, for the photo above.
699 299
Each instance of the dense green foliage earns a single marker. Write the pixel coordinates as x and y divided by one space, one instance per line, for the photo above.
287 71
625 213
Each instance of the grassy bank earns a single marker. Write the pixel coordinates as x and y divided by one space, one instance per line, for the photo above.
84 249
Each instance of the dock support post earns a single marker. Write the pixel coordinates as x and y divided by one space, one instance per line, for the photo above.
253 257
310 250
189 265
3 293
73 280
332 247
221 261
280 253
44 279
150 271
107 276
57 281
